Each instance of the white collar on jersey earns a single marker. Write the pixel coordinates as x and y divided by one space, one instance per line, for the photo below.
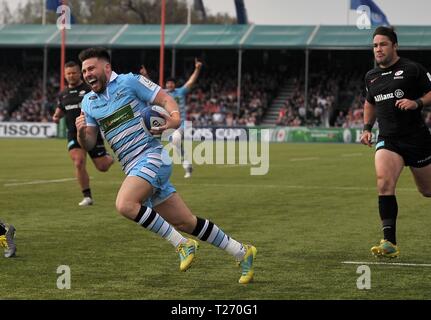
114 75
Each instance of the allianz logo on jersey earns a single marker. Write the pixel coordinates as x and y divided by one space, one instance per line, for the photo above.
72 106
397 94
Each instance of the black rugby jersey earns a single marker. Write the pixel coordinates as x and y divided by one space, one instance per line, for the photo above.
403 80
69 100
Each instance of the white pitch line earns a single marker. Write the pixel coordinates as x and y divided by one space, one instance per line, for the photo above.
283 186
305 159
351 155
260 186
390 264
38 182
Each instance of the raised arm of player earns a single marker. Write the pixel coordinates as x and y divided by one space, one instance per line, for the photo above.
369 119
198 65
87 135
58 114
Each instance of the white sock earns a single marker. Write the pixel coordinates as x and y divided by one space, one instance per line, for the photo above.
186 164
175 238
236 249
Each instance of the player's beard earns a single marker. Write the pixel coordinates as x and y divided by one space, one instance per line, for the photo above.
386 60
101 83
383 61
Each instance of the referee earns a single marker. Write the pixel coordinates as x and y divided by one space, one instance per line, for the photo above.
397 91
69 105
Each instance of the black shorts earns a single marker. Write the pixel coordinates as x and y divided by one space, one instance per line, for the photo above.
414 149
99 149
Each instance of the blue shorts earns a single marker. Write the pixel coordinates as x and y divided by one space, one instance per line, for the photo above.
157 173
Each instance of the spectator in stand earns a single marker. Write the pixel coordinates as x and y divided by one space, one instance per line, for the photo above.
282 116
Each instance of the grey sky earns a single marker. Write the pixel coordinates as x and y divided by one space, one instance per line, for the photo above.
412 12
312 12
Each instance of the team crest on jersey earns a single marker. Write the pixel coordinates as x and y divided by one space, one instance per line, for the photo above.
120 94
92 97
399 93
148 83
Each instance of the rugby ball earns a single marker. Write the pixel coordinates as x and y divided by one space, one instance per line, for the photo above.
152 117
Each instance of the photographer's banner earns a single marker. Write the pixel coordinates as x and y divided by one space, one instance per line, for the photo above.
28 130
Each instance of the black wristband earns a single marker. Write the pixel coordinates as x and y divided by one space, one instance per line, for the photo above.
419 102
368 127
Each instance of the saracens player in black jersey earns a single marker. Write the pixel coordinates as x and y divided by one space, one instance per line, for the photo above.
69 105
397 91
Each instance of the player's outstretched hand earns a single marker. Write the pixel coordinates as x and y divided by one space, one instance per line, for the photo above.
406 104
366 137
81 124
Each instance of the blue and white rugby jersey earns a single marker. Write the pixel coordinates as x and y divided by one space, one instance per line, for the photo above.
117 112
179 95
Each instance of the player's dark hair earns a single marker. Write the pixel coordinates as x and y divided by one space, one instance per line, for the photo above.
71 64
170 79
388 32
100 53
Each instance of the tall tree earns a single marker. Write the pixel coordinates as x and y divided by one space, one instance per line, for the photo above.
5 14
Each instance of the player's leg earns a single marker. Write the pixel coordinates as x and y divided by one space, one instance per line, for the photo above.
135 191
103 163
179 215
177 142
422 178
420 163
101 158
78 156
7 234
388 166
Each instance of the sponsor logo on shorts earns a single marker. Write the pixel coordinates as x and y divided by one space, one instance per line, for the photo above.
380 144
424 160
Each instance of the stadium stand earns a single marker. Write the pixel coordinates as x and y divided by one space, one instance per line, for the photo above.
273 69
